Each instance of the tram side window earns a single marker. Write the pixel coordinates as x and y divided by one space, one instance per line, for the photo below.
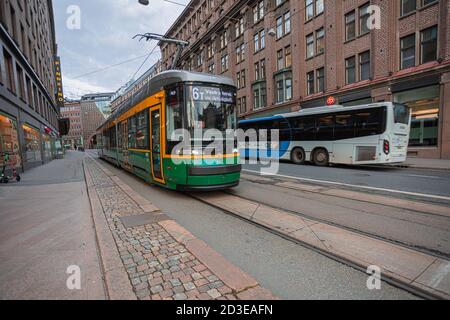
112 135
370 122
344 126
142 141
174 121
132 132
325 128
119 136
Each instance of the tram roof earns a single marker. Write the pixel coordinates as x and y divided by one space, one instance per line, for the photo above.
149 86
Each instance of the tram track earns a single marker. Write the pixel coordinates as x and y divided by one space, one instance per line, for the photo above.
400 282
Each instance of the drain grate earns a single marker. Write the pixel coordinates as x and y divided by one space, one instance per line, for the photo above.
142 219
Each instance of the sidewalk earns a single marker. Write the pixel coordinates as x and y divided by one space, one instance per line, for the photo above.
146 255
421 163
45 227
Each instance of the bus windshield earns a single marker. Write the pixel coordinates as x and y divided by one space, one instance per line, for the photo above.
210 108
401 113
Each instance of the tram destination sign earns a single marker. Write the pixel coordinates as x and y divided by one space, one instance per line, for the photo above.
214 94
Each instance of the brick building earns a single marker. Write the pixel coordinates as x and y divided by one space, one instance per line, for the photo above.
286 54
28 111
95 108
72 111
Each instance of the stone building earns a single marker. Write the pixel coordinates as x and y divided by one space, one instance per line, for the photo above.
285 55
72 111
28 110
95 108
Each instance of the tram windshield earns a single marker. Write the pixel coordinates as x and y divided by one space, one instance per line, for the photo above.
210 108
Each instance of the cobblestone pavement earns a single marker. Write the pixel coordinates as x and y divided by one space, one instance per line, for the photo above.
158 266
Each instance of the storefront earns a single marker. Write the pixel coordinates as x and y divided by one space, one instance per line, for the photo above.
47 147
9 141
31 149
425 109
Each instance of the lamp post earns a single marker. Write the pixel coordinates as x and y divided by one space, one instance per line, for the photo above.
144 2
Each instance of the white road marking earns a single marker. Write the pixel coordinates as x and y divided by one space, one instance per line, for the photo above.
422 176
424 195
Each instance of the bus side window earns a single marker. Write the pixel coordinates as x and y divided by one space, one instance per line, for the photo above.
325 128
369 122
344 127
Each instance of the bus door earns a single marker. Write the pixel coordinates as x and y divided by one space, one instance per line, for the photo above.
126 161
155 144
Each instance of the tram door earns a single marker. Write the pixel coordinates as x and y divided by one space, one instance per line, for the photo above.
156 152
124 146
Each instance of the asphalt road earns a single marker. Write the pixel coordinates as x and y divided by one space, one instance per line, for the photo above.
289 270
402 179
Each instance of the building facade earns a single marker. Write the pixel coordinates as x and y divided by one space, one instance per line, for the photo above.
28 110
285 55
95 108
72 111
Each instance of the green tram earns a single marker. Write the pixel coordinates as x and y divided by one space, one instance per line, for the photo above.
139 135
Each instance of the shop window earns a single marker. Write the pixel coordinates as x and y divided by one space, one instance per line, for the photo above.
32 150
425 108
9 141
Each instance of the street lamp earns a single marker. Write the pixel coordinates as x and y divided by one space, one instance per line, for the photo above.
144 2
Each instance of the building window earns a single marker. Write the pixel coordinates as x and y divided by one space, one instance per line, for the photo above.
263 68
279 2
364 16
211 68
425 107
238 54
287 22
287 57
364 66
280 59
257 71
408 51
258 11
29 92
428 45
350 26
283 84
320 41
259 95
259 40
279 27
224 63
407 6
256 42
309 46
244 105
320 77
21 80
313 8
243 82
10 79
262 37
350 72
239 27
310 82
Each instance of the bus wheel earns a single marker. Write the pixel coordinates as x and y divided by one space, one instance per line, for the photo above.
298 156
321 157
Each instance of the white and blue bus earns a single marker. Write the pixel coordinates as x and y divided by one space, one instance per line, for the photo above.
367 134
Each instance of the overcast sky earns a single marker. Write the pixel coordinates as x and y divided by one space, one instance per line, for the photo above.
104 39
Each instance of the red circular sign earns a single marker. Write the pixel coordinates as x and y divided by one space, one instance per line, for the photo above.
331 101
